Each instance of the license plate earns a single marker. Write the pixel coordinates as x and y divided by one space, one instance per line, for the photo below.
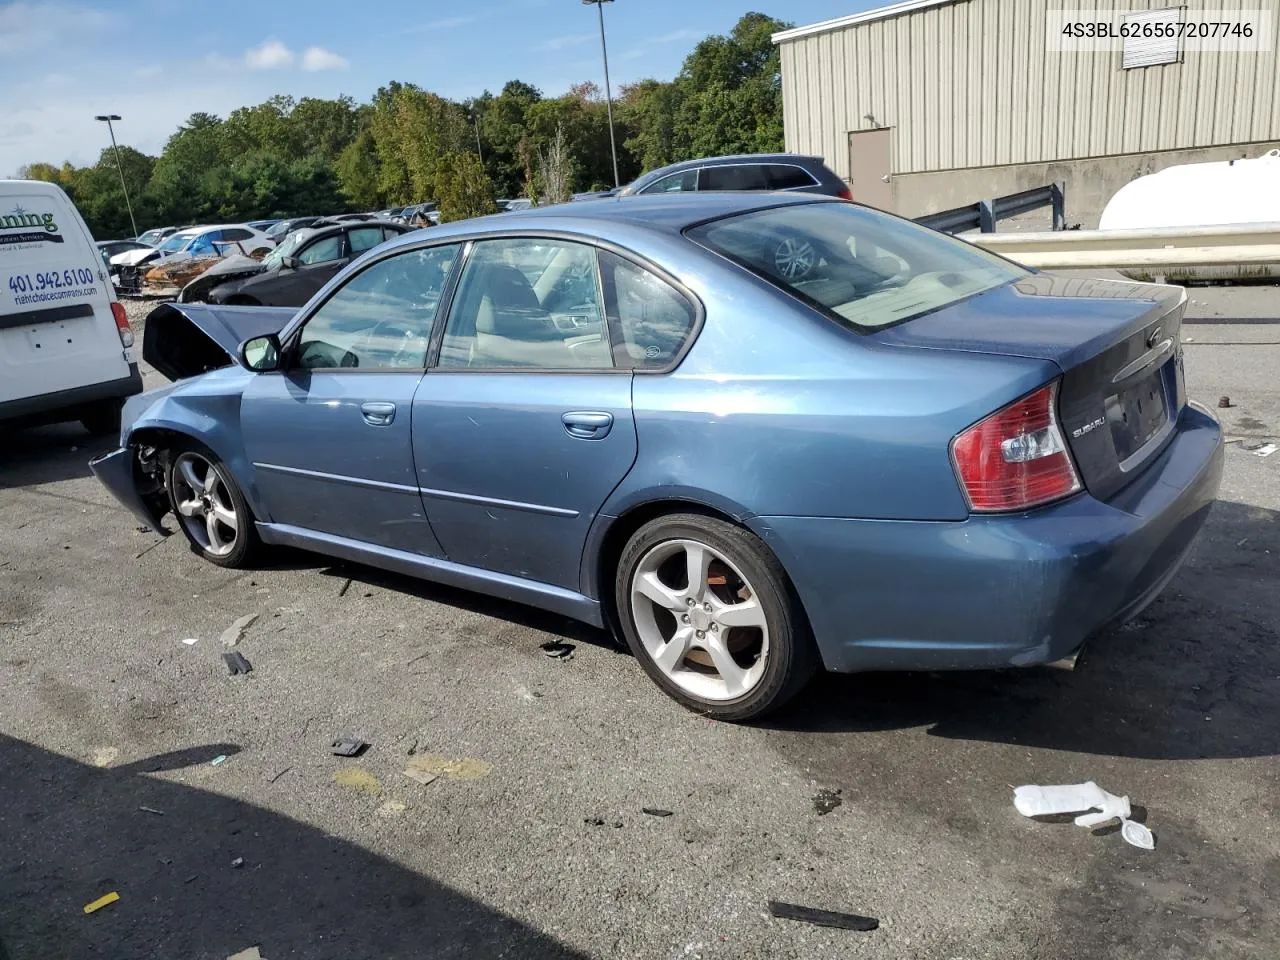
1137 413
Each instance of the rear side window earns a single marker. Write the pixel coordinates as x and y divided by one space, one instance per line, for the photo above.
676 183
741 176
365 238
860 267
653 320
784 176
236 233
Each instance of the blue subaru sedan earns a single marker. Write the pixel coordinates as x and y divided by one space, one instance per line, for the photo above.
754 435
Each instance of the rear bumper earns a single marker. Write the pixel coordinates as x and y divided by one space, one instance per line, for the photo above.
999 591
65 404
117 473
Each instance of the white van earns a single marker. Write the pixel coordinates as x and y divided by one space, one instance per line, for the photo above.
66 349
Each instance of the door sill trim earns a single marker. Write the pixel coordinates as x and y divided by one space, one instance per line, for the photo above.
545 596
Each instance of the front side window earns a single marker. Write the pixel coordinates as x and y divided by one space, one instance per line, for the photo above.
653 319
739 176
381 318
862 268
527 303
676 183
324 250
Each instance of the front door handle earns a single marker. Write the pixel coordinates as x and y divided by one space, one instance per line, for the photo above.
378 413
588 424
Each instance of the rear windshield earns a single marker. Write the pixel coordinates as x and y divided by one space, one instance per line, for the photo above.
863 268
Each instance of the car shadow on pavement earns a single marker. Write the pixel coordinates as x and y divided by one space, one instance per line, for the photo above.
70 833
60 451
1195 676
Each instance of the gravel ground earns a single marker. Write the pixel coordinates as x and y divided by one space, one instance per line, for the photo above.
107 716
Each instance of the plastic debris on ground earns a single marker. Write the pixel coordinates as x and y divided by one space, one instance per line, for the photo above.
237 664
1266 450
231 636
220 758
158 813
1094 806
250 954
822 918
826 800
420 775
558 651
191 641
348 747
238 862
101 902
655 811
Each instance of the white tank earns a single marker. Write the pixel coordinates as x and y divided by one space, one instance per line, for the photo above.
1201 195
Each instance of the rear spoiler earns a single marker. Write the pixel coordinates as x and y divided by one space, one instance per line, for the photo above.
187 339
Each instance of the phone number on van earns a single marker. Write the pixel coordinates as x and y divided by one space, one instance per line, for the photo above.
50 280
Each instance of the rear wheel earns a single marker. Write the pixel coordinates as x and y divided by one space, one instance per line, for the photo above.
210 508
707 610
102 418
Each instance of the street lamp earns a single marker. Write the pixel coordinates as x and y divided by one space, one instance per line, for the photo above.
107 118
608 94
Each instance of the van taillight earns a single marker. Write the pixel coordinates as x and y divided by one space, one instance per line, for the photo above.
1017 457
122 324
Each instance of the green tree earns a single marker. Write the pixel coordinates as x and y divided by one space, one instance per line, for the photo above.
465 189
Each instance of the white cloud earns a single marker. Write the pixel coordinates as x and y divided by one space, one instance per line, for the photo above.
272 55
570 40
29 26
675 36
318 58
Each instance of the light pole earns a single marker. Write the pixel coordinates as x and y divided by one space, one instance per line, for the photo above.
107 118
608 94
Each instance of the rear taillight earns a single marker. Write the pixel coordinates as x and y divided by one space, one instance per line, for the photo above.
1017 457
845 194
122 324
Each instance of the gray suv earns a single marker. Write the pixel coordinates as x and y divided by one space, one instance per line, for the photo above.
751 171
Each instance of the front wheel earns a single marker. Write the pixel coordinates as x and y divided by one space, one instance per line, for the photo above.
210 508
707 610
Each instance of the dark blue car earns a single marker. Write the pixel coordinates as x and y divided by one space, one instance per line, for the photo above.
753 434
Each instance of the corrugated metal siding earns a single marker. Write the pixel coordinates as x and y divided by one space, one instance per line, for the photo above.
970 84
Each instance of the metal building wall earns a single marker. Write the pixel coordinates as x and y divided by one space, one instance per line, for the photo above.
970 84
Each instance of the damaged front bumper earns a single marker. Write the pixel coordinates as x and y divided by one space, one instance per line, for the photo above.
124 472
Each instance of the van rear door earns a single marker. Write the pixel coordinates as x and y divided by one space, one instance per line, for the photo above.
57 330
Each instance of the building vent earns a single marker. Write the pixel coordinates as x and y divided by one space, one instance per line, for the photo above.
1147 51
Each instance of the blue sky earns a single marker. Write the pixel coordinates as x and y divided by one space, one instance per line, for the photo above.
155 62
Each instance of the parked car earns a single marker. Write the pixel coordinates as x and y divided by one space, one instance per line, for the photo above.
109 248
278 231
206 241
292 273
153 236
757 434
751 171
66 349
263 225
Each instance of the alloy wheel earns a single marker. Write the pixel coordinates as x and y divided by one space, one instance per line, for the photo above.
699 620
204 504
794 258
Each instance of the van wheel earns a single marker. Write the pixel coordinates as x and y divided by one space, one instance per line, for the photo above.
103 418
210 508
708 611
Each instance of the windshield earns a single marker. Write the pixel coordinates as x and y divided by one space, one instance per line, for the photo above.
176 242
862 268
278 230
150 237
289 244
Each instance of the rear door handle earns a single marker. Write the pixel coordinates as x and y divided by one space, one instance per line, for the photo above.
588 424
378 413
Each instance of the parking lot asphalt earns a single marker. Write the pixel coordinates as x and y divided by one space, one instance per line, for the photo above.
532 841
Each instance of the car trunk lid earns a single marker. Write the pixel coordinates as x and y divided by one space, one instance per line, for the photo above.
1117 344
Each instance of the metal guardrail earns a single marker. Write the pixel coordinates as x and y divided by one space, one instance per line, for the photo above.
1252 247
984 214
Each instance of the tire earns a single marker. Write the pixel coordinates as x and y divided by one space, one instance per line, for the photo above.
103 418
193 497
743 609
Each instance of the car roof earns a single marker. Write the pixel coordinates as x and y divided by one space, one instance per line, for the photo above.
667 213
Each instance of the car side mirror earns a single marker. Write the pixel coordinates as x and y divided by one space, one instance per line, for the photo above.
261 353
290 263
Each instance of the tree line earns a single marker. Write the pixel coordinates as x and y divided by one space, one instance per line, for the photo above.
288 157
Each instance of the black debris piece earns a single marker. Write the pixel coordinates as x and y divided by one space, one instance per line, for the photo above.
822 918
593 821
345 587
344 747
558 651
826 800
655 812
1224 402
236 663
